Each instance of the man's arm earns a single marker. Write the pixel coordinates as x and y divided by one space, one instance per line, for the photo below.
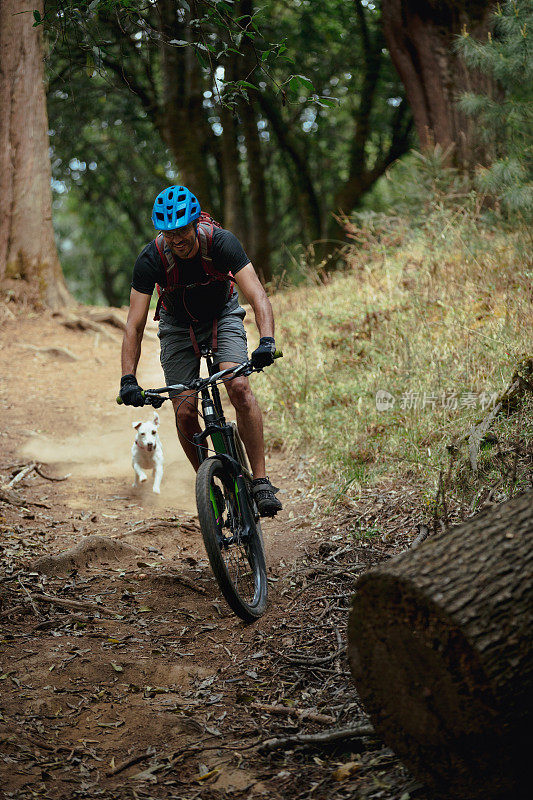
131 344
251 287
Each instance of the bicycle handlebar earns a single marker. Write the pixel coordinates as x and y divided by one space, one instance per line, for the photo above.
246 368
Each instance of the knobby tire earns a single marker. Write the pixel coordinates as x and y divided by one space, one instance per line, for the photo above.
239 568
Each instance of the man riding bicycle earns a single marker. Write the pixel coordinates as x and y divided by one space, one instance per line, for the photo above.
194 263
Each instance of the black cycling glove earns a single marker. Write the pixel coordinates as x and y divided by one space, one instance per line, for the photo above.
263 355
130 391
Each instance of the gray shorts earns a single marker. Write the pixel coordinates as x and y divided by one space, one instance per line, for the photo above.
178 359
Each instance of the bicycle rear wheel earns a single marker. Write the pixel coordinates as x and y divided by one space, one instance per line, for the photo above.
237 559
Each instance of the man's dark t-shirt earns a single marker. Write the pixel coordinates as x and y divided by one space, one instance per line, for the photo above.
201 303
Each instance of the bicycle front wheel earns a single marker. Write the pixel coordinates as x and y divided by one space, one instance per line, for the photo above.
236 557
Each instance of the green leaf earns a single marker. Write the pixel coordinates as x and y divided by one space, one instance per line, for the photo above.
326 102
201 60
90 65
37 17
117 667
298 82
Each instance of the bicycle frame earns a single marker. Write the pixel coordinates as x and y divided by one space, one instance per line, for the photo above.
223 440
220 432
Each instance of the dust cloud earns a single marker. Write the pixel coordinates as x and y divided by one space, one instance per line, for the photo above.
106 453
103 450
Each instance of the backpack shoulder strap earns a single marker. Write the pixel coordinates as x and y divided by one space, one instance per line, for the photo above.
169 262
205 229
171 269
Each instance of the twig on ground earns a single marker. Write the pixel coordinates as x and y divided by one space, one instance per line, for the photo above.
76 604
20 502
129 762
310 739
341 649
301 713
21 475
38 470
9 497
313 661
54 748
30 598
9 611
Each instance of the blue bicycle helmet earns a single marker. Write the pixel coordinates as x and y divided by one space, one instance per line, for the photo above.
175 207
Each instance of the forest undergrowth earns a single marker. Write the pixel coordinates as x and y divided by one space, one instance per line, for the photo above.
390 364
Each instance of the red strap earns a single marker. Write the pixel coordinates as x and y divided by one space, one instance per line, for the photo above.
215 335
168 269
194 342
205 230
214 340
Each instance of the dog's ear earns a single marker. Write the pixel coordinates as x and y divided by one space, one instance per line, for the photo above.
136 425
156 418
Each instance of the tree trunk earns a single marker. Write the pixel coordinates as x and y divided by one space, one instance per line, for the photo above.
233 203
259 239
27 246
360 180
440 650
181 120
260 252
420 39
306 196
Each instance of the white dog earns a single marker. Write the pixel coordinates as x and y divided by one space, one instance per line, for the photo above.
147 452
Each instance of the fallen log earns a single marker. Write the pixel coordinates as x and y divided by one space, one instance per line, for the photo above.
439 645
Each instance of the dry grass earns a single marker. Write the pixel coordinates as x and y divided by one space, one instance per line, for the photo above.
439 316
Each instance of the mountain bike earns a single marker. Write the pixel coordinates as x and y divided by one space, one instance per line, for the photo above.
228 515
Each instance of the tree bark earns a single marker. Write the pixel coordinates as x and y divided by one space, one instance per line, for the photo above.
260 252
307 199
29 263
181 119
233 205
420 39
440 650
234 217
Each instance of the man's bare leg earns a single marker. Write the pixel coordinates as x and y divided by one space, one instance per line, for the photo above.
249 421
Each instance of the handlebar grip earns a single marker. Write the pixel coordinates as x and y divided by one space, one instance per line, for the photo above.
120 401
278 354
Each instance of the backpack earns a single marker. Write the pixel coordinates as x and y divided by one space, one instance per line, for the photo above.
205 228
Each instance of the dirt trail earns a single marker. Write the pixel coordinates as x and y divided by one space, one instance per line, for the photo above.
101 445
165 681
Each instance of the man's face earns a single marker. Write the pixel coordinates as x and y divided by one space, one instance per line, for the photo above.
182 241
